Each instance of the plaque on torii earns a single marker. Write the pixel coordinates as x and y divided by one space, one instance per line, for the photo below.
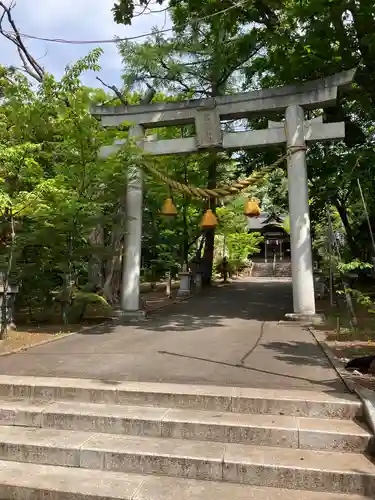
207 115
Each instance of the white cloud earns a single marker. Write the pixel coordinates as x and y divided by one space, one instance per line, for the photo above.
73 20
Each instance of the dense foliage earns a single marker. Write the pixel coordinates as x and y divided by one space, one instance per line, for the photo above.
55 192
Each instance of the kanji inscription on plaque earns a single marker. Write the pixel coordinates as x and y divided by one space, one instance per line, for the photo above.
207 125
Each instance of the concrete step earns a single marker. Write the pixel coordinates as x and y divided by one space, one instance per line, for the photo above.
203 425
267 269
233 463
21 481
284 270
224 399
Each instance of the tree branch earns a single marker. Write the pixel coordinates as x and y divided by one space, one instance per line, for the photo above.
149 94
237 65
32 67
164 65
115 90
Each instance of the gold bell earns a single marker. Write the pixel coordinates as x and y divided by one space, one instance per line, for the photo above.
209 220
251 208
169 209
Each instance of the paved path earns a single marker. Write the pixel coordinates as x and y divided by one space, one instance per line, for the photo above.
225 336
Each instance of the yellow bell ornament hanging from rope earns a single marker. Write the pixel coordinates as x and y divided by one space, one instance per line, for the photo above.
209 220
169 209
252 208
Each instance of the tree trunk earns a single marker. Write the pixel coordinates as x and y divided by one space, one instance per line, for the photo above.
95 272
6 277
348 229
364 24
113 275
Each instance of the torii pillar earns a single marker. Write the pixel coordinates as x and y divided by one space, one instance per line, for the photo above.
300 233
131 269
297 133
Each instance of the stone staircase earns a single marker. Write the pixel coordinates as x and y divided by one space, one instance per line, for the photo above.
283 269
267 269
66 439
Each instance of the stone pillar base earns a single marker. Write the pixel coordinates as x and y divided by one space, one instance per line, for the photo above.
132 316
184 290
198 281
306 319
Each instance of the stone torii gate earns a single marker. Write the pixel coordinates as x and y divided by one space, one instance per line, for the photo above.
207 114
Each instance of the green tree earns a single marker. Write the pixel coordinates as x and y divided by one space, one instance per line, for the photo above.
202 58
55 190
315 39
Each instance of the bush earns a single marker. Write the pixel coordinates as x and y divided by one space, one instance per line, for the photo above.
235 266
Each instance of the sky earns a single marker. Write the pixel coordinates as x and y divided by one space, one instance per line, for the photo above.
74 20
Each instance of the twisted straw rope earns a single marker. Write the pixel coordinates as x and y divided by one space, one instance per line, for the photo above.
223 191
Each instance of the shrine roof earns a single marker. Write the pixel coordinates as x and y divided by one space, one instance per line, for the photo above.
266 220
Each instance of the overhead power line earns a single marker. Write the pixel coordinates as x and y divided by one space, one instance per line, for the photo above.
130 38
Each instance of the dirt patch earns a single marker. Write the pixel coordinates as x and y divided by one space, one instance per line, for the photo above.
347 342
157 299
345 351
29 335
349 350
24 338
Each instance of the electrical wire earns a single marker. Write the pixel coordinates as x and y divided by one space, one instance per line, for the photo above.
126 39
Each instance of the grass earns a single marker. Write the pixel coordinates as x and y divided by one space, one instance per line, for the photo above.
338 326
345 351
345 341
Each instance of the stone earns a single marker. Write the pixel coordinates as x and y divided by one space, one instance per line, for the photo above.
184 290
112 419
122 316
281 467
245 464
296 403
331 434
208 129
232 141
131 273
314 94
172 457
22 413
43 446
173 489
199 397
198 425
244 443
198 280
175 395
264 430
12 291
371 368
306 319
25 481
300 233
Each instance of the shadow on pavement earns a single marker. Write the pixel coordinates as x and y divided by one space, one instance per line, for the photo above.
251 300
227 335
330 385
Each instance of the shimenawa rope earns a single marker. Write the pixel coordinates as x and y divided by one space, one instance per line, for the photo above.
223 191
